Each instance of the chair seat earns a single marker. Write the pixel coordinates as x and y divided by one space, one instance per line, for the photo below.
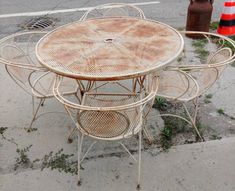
103 124
109 124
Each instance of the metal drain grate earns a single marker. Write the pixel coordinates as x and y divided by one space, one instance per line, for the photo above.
38 23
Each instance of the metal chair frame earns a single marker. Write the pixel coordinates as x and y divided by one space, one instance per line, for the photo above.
32 68
108 7
137 85
80 107
217 66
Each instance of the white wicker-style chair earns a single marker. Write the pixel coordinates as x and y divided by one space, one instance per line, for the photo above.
204 59
110 116
17 53
113 10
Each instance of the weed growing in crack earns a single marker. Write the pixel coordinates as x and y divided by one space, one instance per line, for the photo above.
23 159
2 130
199 43
160 103
59 161
31 130
207 101
172 127
202 54
166 137
220 111
233 64
199 48
229 45
179 59
214 25
215 137
208 98
201 128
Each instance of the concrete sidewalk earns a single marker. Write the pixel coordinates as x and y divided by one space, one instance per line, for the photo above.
205 166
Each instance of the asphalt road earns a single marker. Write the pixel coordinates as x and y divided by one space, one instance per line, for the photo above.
172 12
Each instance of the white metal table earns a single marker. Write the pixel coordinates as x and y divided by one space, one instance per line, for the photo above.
109 48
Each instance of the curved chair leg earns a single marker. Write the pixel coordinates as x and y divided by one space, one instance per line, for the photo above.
196 105
148 135
42 100
71 133
126 149
139 160
193 121
80 141
42 104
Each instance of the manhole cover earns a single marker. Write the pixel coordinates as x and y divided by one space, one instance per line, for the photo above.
38 23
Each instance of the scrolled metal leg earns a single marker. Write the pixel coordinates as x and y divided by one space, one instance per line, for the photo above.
126 149
71 133
80 141
34 115
148 135
193 123
139 160
42 104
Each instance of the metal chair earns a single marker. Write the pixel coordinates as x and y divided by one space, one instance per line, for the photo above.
113 10
203 60
17 53
129 86
108 116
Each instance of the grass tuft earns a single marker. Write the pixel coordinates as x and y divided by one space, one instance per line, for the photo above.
220 111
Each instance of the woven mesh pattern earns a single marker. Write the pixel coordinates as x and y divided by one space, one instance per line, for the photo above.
19 49
176 84
218 57
109 48
205 77
103 124
108 124
16 55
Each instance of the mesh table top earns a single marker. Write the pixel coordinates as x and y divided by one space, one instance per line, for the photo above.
109 48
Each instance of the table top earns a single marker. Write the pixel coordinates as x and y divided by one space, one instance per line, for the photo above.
109 48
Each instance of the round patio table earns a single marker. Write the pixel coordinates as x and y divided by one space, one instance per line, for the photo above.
109 48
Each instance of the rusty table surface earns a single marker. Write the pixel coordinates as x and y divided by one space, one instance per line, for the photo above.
109 48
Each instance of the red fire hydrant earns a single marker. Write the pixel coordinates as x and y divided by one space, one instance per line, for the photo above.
199 15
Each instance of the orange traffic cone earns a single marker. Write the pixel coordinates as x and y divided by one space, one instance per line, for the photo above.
227 19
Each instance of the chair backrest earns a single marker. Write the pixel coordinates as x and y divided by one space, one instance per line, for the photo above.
113 10
17 53
205 77
209 50
222 56
176 84
108 115
205 58
217 62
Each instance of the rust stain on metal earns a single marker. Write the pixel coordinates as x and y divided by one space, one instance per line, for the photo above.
105 48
